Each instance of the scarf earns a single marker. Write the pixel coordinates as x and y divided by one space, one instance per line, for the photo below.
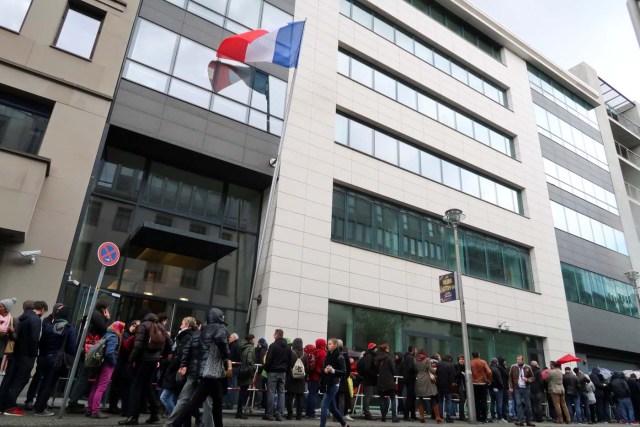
4 323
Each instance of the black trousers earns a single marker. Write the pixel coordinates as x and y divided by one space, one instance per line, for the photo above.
462 398
536 405
206 387
15 379
141 389
410 401
480 393
80 385
299 399
50 376
242 398
34 384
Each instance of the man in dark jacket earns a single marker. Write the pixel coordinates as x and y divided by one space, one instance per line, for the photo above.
537 392
520 378
583 380
245 379
504 373
370 377
445 378
572 394
620 390
602 407
409 373
235 352
25 351
145 358
634 388
496 389
276 365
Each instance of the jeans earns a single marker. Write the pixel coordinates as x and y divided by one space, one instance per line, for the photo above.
183 400
369 390
168 399
329 405
98 388
275 385
480 391
32 392
573 401
446 405
523 395
384 403
15 379
311 398
625 410
586 411
206 387
496 402
81 383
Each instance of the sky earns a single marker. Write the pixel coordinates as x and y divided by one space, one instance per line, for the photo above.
598 32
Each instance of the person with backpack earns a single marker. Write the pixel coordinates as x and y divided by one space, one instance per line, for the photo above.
112 340
315 355
57 340
296 379
246 372
150 343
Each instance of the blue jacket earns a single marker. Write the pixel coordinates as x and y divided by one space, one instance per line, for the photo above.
53 336
111 345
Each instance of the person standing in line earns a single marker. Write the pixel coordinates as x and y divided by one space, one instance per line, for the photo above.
583 380
537 392
496 390
245 379
410 374
426 385
556 389
333 369
620 390
385 365
572 394
6 323
462 386
445 380
520 378
276 365
367 369
602 405
504 373
295 386
481 375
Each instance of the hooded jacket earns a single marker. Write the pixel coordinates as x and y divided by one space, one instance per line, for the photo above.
296 386
261 352
594 376
189 355
321 354
140 351
409 372
53 338
619 386
247 351
214 334
386 371
369 368
277 360
27 333
169 377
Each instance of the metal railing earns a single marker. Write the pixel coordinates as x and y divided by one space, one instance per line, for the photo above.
627 154
632 191
624 121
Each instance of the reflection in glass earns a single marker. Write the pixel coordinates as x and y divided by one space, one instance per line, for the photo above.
386 148
78 33
153 45
13 14
192 63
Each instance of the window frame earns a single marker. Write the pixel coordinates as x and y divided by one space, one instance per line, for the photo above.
85 9
24 18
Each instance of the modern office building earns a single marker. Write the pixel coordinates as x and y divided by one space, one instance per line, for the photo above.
634 13
59 66
400 110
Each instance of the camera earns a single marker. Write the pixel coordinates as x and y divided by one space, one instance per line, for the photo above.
503 325
31 255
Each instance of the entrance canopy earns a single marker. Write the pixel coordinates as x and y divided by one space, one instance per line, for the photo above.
171 246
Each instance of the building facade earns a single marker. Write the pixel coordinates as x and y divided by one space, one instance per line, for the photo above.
399 111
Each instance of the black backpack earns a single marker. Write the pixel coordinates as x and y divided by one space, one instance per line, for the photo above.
157 337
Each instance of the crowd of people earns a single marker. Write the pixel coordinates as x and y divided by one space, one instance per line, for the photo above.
196 373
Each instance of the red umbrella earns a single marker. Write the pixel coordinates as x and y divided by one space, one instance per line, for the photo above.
568 358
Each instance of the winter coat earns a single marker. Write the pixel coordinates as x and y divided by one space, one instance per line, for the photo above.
111 344
460 378
496 381
554 381
140 351
344 384
189 357
386 369
27 334
235 351
261 352
409 372
424 386
99 324
619 386
169 380
247 351
296 386
214 334
570 384
369 369
321 353
278 356
480 371
594 376
446 376
53 337
514 375
537 385
337 362
583 380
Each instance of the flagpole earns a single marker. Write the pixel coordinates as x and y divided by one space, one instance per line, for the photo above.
274 182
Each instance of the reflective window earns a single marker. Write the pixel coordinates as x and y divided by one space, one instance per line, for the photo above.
192 63
405 40
589 288
389 229
23 123
411 97
578 224
79 30
13 13
246 12
387 148
154 46
583 145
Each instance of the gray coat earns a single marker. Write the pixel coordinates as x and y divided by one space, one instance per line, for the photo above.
424 386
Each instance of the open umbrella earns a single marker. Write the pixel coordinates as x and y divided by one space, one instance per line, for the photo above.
568 358
606 373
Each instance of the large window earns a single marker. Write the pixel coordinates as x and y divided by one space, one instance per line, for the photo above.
458 26
370 141
580 187
23 123
570 137
371 223
433 56
79 29
169 63
595 290
237 16
542 83
13 14
580 225
397 90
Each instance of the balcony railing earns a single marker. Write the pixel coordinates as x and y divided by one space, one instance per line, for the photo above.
625 122
627 154
632 191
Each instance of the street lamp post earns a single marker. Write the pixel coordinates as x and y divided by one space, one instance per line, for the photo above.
633 277
453 217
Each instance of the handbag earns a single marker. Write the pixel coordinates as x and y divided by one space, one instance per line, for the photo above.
432 377
8 349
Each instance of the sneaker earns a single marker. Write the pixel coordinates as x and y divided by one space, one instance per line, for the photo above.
14 412
100 415
502 420
45 413
28 406
348 418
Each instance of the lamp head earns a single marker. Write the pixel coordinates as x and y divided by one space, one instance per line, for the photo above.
453 217
632 276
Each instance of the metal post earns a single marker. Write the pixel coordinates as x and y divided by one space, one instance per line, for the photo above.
85 331
471 403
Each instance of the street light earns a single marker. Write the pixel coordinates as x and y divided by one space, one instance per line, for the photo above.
454 217
633 277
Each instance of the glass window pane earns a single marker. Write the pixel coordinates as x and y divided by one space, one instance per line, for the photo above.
585 227
492 92
78 33
470 183
572 221
154 46
345 8
475 82
360 137
569 279
442 63
342 130
246 12
359 222
228 108
361 73
272 17
598 233
343 64
431 166
206 13
361 16
192 64
609 236
620 242
488 190
219 6
459 73
495 265
13 13
382 28
446 116
423 52
481 133
450 175
386 148
474 254
384 84
386 230
338 216
505 197
427 106
409 157
464 125
146 76
404 41
559 220
258 119
498 141
190 93
407 96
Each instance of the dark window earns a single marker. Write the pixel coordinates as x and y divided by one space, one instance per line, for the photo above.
93 213
122 219
198 228
165 220
189 279
222 282
79 29
23 123
153 273
82 256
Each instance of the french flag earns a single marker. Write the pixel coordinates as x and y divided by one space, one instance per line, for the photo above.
278 46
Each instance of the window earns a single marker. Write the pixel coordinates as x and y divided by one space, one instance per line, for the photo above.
23 123
13 13
93 213
79 29
122 219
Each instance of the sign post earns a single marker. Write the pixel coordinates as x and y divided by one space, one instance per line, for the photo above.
108 255
448 287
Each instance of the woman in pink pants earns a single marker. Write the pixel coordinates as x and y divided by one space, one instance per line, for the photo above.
111 347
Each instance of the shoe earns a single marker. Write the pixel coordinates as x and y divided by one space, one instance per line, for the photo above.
241 417
289 417
368 417
278 418
348 418
130 421
152 419
15 412
100 416
531 425
267 417
448 420
502 420
45 413
28 406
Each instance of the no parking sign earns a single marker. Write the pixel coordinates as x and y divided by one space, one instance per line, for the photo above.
108 254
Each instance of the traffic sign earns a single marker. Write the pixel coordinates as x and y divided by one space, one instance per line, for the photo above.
108 254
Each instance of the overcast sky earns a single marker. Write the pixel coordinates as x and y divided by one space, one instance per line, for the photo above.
598 32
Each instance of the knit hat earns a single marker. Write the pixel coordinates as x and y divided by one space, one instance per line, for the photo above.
371 345
9 303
